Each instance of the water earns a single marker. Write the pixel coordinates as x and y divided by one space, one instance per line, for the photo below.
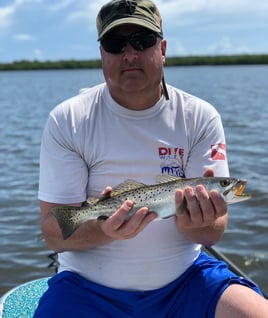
239 93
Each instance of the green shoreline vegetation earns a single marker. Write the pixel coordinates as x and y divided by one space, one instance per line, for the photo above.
245 59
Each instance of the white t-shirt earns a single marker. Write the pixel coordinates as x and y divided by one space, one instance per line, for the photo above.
91 142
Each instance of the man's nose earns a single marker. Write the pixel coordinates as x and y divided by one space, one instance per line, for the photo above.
130 51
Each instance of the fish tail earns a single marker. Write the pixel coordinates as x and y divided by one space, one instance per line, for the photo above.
67 220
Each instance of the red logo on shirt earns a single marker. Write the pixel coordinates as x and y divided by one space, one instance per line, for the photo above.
218 152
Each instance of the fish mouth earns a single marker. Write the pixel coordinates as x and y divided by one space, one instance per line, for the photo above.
236 192
237 189
240 188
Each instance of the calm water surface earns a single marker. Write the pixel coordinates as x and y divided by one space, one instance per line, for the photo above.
240 93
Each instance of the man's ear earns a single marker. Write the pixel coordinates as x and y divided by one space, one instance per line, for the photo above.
163 50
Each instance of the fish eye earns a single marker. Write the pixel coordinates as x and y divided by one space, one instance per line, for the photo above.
225 183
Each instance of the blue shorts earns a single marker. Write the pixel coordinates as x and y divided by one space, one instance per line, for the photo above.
194 294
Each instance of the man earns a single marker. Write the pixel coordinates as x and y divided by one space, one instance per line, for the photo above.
135 126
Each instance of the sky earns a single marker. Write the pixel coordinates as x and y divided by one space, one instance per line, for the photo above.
65 29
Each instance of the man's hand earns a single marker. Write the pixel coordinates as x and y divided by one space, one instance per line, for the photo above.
119 227
204 216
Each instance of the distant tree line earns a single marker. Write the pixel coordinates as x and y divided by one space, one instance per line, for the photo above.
170 61
50 65
217 60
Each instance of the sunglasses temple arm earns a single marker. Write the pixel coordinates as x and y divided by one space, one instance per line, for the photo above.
164 87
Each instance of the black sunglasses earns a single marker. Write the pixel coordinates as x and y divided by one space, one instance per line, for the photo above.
140 41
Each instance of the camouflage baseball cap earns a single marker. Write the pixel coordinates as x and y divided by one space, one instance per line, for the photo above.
119 12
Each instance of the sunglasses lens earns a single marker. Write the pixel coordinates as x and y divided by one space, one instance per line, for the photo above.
139 41
114 44
143 41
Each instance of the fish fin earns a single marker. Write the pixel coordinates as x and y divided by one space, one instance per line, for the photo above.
92 201
125 186
65 216
164 178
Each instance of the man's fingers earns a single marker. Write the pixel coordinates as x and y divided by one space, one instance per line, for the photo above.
119 226
106 193
180 202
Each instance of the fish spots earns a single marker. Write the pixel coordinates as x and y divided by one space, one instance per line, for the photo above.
159 197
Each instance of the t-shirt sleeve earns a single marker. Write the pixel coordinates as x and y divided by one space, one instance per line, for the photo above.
63 172
207 145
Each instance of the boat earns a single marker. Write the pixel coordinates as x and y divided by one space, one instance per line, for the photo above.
21 301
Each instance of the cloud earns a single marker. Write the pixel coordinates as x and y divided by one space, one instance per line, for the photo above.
182 6
23 37
225 46
7 13
203 26
38 54
180 49
175 12
59 5
86 10
191 12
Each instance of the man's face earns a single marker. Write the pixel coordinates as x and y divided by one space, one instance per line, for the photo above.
133 71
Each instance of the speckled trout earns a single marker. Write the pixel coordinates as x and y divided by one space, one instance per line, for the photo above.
159 197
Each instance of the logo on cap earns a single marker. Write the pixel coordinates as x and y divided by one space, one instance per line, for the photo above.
128 6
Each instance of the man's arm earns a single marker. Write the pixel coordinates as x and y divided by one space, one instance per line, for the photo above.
94 233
